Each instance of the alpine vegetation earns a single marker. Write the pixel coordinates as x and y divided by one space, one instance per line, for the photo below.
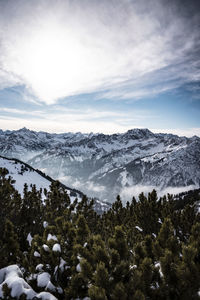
54 248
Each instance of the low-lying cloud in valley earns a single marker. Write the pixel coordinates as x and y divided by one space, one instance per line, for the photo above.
128 193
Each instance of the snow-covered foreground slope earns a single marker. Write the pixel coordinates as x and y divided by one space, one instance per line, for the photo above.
23 173
106 165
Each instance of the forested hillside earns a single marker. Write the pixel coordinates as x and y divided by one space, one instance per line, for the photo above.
54 249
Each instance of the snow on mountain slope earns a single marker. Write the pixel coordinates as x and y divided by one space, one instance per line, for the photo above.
105 165
25 143
23 173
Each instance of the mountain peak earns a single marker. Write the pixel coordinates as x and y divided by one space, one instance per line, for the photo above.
24 129
139 132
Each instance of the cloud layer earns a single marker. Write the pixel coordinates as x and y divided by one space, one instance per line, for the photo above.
61 119
128 193
120 49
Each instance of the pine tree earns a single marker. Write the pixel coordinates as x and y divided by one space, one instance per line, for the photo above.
169 265
57 200
166 240
188 273
119 292
101 277
99 250
82 230
7 196
118 242
10 253
97 293
146 213
138 295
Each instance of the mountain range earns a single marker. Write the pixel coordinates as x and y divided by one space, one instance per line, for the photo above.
106 165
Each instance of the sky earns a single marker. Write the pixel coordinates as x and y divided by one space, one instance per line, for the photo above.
100 66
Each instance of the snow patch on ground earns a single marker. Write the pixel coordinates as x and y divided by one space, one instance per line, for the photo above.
139 228
56 248
29 239
78 268
12 276
51 237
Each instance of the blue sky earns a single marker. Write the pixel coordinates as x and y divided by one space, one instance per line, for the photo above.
100 66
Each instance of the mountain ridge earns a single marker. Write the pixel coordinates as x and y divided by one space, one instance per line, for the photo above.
106 165
23 173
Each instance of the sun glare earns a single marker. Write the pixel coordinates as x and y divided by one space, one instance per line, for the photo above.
52 63
57 59
55 62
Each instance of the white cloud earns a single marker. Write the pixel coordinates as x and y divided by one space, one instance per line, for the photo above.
177 190
128 192
20 111
67 123
189 132
87 187
64 48
61 119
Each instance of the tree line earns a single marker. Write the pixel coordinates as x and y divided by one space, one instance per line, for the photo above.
147 249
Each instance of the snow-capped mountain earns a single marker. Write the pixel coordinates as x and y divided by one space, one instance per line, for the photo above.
24 143
105 165
22 173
